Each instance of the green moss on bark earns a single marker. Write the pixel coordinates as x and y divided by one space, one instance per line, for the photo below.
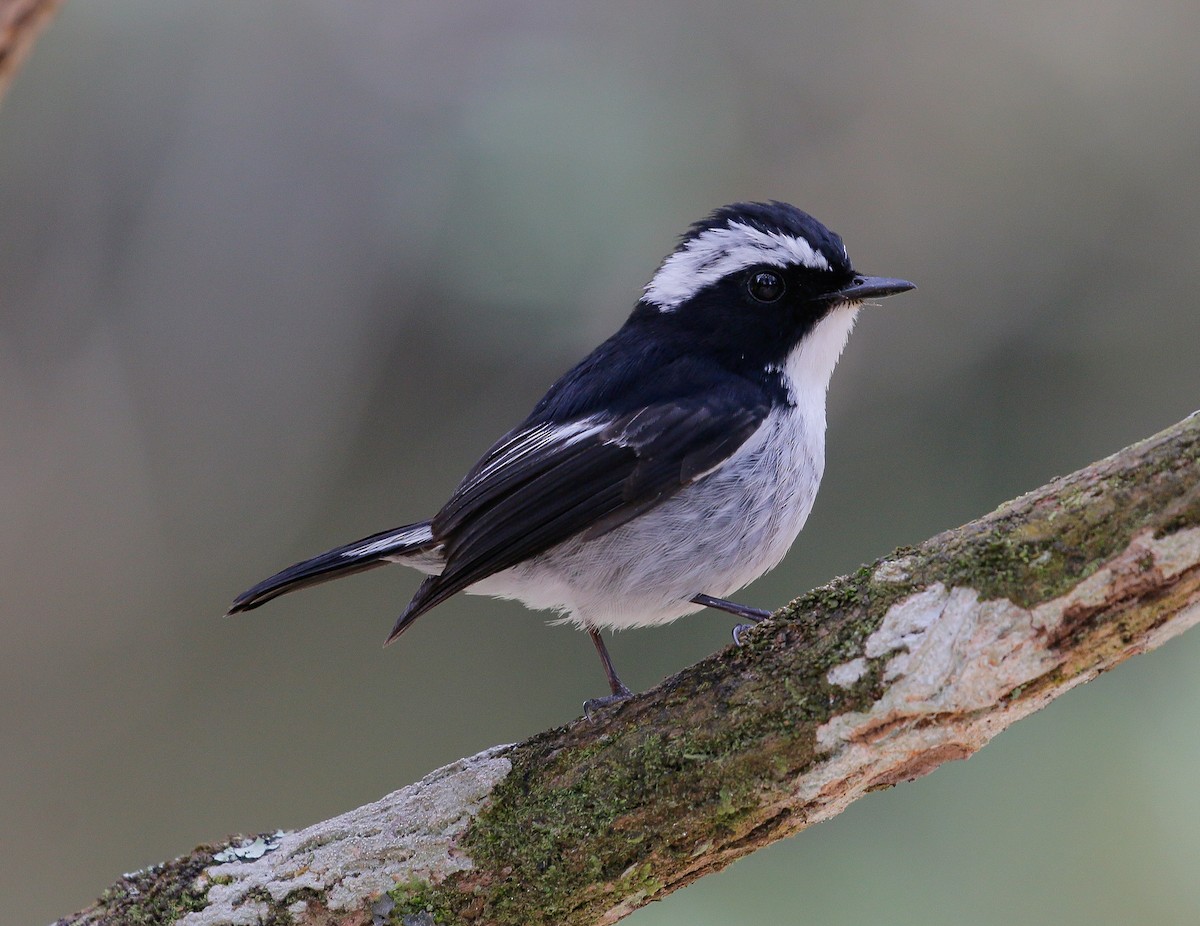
1042 545
155 896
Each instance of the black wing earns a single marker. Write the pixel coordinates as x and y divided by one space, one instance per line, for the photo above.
548 481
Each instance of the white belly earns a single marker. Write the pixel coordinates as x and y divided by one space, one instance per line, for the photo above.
714 537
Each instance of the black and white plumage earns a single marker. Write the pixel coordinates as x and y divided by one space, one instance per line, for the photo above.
671 467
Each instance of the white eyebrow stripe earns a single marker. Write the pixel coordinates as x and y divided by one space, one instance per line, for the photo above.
718 252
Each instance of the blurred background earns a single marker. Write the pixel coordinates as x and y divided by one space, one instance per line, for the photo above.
273 274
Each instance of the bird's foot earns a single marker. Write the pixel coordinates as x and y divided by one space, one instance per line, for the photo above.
754 615
592 705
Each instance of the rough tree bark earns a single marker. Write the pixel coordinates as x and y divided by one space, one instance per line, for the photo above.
20 23
874 679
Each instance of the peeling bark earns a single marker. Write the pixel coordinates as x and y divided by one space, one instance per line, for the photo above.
874 679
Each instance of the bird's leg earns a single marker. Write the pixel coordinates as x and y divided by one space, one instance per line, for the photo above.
740 610
619 689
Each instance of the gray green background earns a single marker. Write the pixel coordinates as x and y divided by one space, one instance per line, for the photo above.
272 274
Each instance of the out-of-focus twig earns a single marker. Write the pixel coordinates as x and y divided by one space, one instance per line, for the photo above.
21 21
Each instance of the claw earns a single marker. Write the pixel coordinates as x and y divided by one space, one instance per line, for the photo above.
594 704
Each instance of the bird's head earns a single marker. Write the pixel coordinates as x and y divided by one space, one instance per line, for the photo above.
757 280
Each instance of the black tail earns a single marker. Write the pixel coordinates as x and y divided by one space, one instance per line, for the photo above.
342 561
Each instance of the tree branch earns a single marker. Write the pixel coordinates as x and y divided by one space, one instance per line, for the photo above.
876 678
21 21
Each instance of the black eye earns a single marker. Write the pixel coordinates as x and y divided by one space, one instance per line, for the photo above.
766 286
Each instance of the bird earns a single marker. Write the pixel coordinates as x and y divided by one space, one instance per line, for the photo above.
668 469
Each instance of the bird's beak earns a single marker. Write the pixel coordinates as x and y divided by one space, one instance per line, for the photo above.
862 288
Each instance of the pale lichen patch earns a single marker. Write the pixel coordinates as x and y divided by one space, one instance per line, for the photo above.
410 833
898 569
946 660
249 913
906 621
1177 552
847 673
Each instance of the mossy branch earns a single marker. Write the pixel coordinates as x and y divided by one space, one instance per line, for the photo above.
876 678
21 21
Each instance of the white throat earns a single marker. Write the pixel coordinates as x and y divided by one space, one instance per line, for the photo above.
809 366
